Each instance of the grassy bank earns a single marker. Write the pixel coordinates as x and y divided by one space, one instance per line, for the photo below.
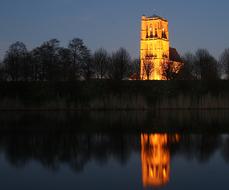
114 95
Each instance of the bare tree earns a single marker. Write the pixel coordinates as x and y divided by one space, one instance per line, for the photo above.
38 67
101 61
205 65
45 61
51 48
134 69
16 62
64 63
2 72
118 65
87 68
148 67
188 71
80 58
224 62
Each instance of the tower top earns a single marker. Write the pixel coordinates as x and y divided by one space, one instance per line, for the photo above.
154 17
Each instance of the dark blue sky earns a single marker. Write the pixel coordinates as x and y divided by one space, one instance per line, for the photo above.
114 23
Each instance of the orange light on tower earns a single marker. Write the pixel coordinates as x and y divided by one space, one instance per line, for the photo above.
155 48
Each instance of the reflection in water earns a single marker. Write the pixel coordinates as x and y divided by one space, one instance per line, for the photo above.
155 157
104 156
95 145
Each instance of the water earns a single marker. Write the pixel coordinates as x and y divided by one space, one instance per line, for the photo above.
112 151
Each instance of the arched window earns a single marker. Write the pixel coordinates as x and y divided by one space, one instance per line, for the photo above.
164 34
151 31
155 33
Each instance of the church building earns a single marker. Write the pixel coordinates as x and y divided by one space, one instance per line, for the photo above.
155 50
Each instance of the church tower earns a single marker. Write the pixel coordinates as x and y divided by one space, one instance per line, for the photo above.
155 47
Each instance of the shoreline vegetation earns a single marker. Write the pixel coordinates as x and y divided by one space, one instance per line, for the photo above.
109 95
115 122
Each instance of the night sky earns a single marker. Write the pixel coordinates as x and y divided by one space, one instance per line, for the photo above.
114 23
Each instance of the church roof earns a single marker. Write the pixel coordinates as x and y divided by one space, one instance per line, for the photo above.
174 55
155 16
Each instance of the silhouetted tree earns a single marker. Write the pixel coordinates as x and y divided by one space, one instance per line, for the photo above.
187 71
64 62
118 66
87 68
16 62
205 65
51 48
80 58
45 61
101 61
224 62
134 69
148 67
38 67
2 72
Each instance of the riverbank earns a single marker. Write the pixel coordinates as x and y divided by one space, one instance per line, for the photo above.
115 122
114 95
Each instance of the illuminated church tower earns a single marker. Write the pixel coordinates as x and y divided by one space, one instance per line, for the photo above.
155 47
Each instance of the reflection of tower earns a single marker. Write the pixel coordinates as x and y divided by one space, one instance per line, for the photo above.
154 46
155 157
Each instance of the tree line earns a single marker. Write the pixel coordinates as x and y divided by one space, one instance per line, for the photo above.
51 62
203 66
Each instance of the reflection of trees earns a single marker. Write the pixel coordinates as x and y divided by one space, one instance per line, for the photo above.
76 138
206 146
52 150
76 150
200 147
225 149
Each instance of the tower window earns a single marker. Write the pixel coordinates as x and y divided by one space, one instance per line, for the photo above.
164 56
164 34
151 32
155 33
